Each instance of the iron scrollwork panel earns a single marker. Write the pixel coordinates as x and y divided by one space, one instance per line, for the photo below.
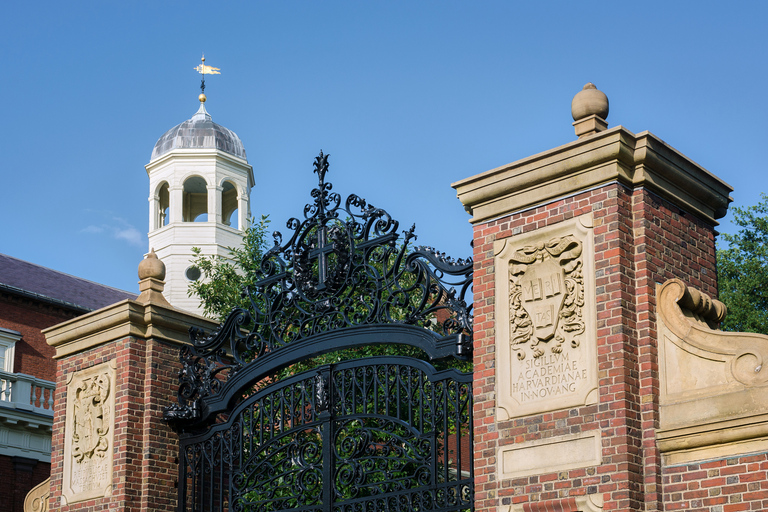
402 437
386 433
346 266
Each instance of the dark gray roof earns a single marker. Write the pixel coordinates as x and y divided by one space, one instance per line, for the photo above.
27 279
199 132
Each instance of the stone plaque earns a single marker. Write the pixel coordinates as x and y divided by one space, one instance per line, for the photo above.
545 320
89 433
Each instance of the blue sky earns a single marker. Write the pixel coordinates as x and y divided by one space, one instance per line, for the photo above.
407 97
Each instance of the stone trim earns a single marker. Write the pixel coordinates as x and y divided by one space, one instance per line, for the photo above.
713 385
37 498
126 318
588 503
551 454
613 155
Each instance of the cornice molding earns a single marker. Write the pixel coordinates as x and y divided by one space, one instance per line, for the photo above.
614 155
123 319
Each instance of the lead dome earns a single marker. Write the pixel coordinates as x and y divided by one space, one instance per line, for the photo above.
199 132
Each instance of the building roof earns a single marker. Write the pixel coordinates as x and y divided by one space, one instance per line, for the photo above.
44 284
199 132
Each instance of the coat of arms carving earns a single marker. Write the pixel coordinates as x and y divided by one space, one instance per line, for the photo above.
546 296
92 418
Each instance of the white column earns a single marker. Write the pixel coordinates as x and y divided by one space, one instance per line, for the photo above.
176 194
214 204
153 205
242 211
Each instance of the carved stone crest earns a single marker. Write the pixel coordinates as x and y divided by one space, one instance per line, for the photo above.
545 312
546 296
89 433
92 418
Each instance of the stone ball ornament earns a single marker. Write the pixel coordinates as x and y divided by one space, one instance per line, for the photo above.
589 101
151 266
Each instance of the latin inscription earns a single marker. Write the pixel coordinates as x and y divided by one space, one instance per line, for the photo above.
90 475
548 376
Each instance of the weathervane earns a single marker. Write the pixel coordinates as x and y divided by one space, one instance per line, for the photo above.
205 70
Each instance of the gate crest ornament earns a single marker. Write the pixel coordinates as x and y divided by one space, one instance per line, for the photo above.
546 296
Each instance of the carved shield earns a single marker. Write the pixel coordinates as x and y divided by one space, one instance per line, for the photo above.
89 429
543 287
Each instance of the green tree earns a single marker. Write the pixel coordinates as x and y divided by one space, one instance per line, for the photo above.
222 280
742 271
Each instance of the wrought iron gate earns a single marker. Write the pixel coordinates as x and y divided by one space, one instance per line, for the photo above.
365 434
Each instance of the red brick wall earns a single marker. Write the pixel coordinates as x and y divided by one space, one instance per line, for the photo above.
144 468
33 355
17 480
722 485
640 240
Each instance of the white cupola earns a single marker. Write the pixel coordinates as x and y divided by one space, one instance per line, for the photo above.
199 196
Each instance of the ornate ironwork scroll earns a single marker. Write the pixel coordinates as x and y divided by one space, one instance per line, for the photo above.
374 434
397 436
345 272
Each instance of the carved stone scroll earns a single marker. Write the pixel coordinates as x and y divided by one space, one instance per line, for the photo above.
37 498
713 384
89 433
545 318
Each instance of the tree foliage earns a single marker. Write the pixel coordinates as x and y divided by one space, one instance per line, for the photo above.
222 280
742 271
220 290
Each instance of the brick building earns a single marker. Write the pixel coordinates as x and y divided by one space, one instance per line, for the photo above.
33 298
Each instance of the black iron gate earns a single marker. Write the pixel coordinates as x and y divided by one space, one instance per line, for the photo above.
380 433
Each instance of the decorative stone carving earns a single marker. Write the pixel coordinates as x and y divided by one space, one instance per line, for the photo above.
89 433
37 498
713 384
545 317
546 296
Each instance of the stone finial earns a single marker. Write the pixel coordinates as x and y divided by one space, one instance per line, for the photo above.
589 109
151 284
151 266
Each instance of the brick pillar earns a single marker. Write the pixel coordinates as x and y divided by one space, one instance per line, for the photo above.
117 368
569 246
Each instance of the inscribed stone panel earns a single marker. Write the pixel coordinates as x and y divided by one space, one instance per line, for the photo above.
89 433
545 320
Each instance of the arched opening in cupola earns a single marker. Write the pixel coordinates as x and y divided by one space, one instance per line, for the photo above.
195 205
229 210
163 205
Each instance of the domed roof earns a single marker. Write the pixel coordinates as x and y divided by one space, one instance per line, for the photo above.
199 132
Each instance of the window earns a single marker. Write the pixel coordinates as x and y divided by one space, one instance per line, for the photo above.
229 205
8 339
195 205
